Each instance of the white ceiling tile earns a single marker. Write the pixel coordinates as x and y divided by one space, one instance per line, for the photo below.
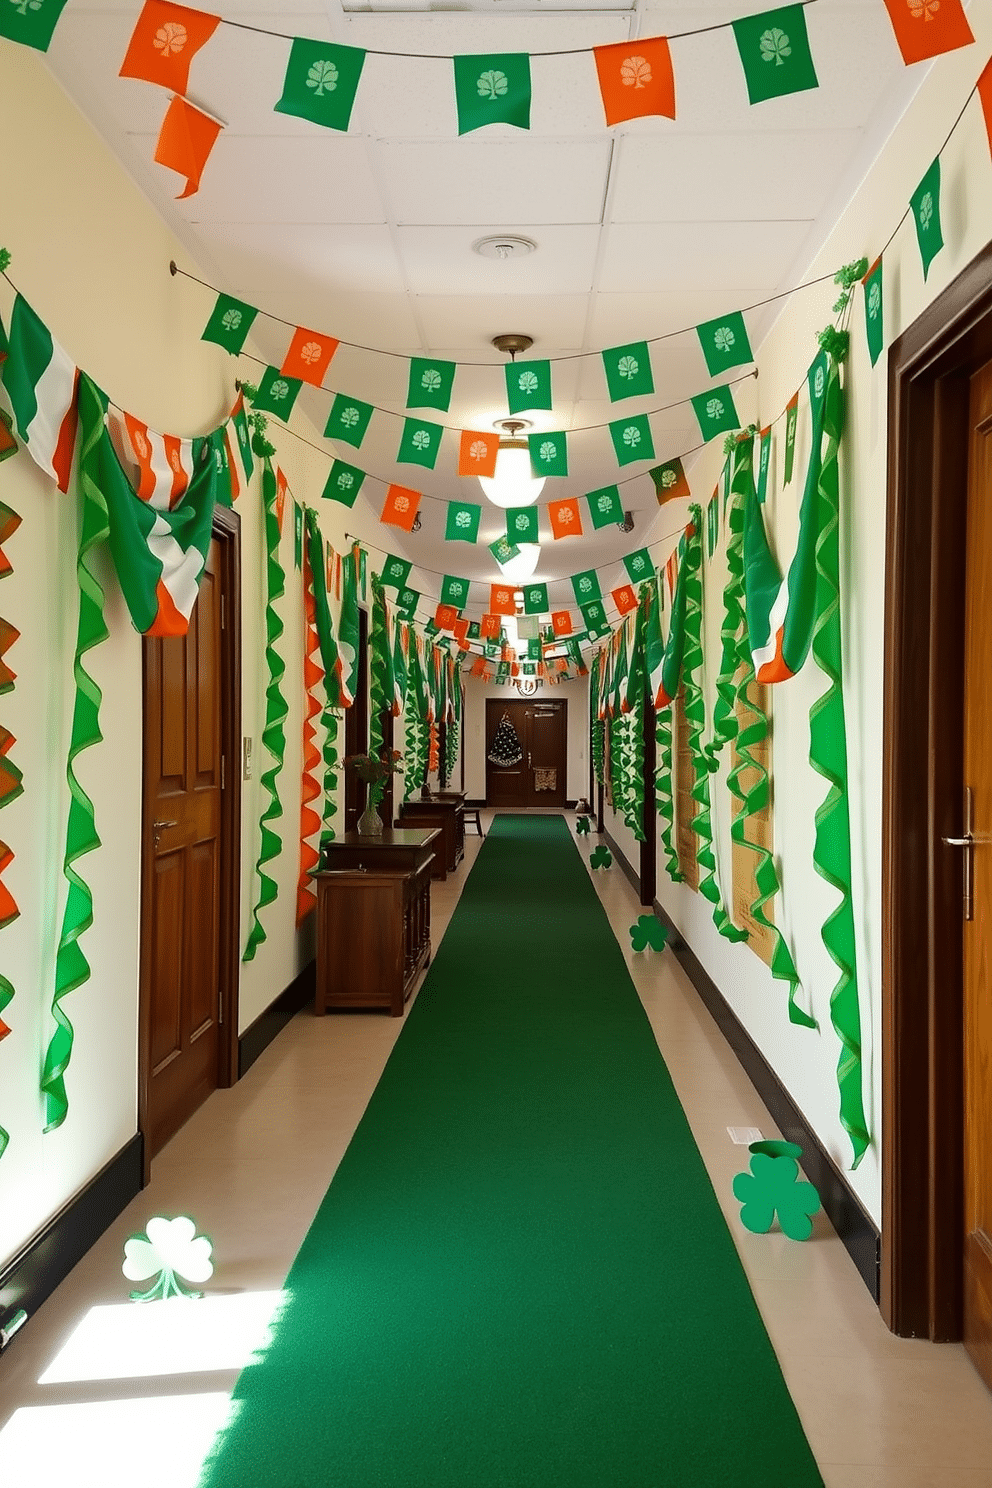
439 260
556 322
649 257
618 317
340 258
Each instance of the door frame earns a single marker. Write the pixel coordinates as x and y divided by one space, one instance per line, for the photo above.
536 700
226 529
923 739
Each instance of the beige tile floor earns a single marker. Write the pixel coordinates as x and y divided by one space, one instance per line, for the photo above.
254 1162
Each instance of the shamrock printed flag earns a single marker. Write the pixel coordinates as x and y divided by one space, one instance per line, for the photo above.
548 454
501 600
406 601
430 384
533 650
420 443
725 343
31 25
926 214
163 43
791 425
561 622
477 453
594 615
229 323
628 371
585 587
873 310
926 28
775 54
528 385
715 411
348 420
636 79
536 599
276 393
395 572
474 630
445 616
240 421
454 591
308 356
565 518
492 90
503 550
624 598
344 483
463 522
605 506
639 566
185 141
165 463
632 439
400 507
490 627
321 82
521 524
669 481
764 460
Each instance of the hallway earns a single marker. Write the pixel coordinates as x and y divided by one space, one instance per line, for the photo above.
253 1164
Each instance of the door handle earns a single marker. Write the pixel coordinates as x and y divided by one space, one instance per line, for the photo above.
159 826
969 841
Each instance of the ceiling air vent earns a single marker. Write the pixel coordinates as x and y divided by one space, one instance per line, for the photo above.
504 247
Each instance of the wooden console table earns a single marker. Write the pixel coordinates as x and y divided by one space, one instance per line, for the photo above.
446 810
373 918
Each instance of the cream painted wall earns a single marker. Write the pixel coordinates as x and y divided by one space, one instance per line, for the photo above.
575 693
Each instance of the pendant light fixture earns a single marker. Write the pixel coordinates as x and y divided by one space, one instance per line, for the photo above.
513 484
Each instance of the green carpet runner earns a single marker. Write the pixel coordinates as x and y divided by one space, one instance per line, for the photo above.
519 1275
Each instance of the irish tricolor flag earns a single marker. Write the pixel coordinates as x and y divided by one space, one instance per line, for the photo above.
41 382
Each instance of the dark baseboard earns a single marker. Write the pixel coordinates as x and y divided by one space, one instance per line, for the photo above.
842 1206
46 1260
627 869
268 1025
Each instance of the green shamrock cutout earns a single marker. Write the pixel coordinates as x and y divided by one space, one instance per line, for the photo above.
601 857
648 934
582 826
771 1188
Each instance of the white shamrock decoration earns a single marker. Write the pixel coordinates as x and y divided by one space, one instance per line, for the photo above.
923 9
565 515
548 450
637 562
421 440
345 480
627 366
231 319
668 478
632 436
478 449
463 519
714 408
585 584
775 46
171 1249
527 382
604 503
874 300
635 72
723 338
926 210
168 39
502 596
349 417
323 76
492 85
279 390
310 353
818 382
401 504
535 596
521 522
394 569
431 380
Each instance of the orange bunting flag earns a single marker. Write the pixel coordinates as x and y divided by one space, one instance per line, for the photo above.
445 616
164 43
281 488
985 96
477 453
184 142
308 356
502 600
400 508
564 518
561 622
636 79
672 574
461 631
489 627
479 667
624 598
926 28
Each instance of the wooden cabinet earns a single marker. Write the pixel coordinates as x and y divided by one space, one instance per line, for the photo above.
446 811
373 918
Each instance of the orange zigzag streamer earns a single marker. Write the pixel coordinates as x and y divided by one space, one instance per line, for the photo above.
306 900
434 756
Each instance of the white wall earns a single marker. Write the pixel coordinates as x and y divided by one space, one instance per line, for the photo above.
575 694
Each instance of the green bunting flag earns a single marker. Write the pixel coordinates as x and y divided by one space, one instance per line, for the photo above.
548 454
521 524
528 385
775 54
724 342
873 310
462 524
454 591
474 630
605 506
585 586
791 423
632 439
229 323
420 443
276 393
492 90
344 483
764 460
716 412
348 420
639 566
536 599
406 602
395 572
925 202
30 23
321 82
594 614
534 650
628 371
430 384
503 550
669 481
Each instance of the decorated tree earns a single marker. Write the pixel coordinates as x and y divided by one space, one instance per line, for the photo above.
506 746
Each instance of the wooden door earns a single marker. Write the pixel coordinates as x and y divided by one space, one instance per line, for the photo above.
539 778
189 863
978 868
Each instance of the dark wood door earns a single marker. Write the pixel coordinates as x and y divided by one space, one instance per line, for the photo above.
539 778
978 930
185 961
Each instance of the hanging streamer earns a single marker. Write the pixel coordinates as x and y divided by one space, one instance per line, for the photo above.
313 672
10 776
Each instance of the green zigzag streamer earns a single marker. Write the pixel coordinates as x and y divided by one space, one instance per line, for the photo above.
828 757
695 710
725 721
329 753
636 682
380 674
71 966
664 795
274 733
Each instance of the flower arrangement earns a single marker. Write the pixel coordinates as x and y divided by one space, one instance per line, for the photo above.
375 772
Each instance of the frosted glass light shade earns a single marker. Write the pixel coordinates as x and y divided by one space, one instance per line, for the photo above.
520 568
513 484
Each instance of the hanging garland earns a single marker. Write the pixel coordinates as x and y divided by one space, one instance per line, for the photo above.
313 673
634 724
10 776
380 671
